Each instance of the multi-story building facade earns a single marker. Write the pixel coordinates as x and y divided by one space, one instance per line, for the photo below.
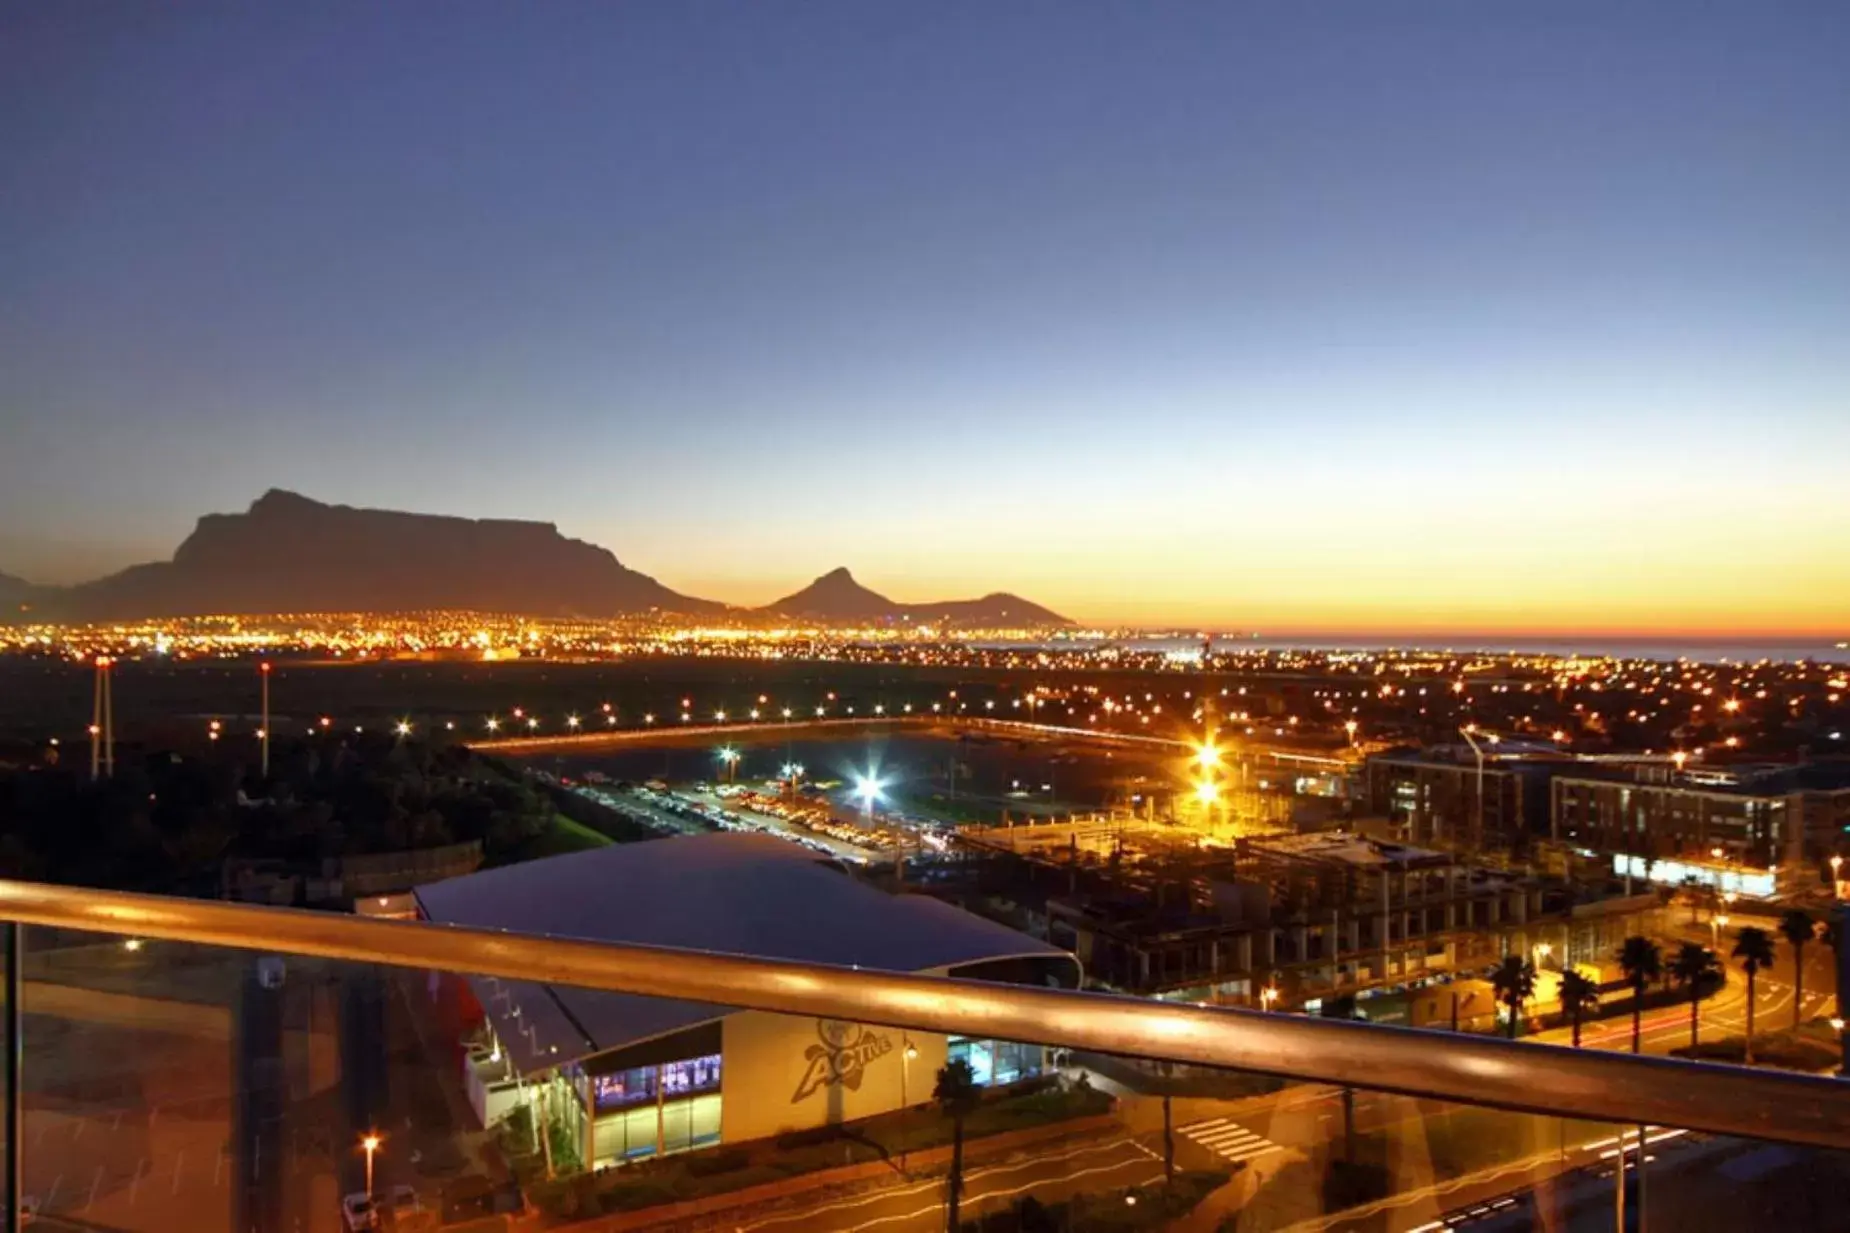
1444 797
1325 913
1763 817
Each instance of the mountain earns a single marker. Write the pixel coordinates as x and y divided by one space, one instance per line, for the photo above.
288 553
837 597
14 593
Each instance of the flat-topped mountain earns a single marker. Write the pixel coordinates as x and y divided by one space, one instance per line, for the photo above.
837 597
288 553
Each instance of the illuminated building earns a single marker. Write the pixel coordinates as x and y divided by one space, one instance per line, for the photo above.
633 1077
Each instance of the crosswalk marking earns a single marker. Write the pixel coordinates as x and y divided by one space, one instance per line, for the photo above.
1228 1140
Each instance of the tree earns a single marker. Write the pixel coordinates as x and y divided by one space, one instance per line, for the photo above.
1514 983
1832 936
1642 963
1754 948
1693 966
1798 928
1578 995
957 1095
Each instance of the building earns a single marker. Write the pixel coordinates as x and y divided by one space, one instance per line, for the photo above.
1318 914
1445 798
632 1077
1757 829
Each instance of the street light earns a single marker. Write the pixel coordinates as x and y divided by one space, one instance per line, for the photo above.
1350 727
371 1144
1207 755
867 788
1267 996
730 757
910 1052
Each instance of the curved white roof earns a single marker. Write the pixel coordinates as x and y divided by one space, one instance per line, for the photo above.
730 893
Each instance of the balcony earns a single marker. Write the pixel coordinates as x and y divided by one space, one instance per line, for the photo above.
190 1065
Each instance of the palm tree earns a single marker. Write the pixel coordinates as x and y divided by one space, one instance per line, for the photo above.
1754 948
1514 983
1832 937
957 1095
1693 966
1578 994
1642 963
1798 928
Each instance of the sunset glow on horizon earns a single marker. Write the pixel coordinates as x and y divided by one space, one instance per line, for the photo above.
1340 320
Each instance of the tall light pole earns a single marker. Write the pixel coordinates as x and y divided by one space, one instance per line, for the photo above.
263 733
103 721
371 1144
96 720
868 789
1468 732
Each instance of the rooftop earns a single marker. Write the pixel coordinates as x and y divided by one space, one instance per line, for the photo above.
1346 847
732 893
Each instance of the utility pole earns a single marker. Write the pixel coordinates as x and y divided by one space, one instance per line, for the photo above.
96 720
102 722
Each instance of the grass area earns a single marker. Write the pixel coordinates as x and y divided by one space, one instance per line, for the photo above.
981 810
1810 1047
719 1170
563 836
1117 1211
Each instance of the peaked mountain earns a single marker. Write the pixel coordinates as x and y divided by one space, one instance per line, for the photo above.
836 596
288 553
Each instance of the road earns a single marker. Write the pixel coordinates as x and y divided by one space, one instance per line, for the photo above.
1117 1162
1725 1013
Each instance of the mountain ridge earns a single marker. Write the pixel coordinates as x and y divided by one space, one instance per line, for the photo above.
291 553
837 596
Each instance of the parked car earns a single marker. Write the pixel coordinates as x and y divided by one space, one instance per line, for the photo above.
357 1212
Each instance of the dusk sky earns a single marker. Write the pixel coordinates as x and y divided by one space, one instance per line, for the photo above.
1360 317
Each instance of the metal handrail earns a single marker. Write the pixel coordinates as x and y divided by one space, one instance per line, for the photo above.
1543 1079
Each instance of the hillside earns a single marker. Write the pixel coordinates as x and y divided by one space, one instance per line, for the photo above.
837 598
288 553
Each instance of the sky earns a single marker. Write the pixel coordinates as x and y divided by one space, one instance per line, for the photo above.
1342 317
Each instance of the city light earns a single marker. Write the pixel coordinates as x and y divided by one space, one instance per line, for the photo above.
1207 755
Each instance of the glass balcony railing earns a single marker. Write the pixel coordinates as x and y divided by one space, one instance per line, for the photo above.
187 1065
